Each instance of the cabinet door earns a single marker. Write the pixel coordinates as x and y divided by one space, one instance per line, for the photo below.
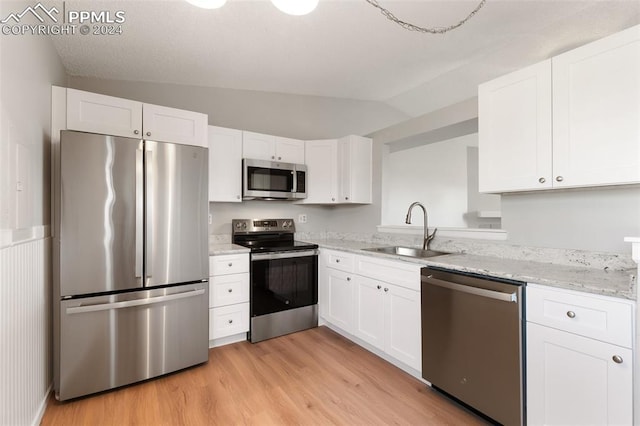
573 380
339 299
95 113
225 165
289 150
355 170
514 131
258 146
596 111
402 320
369 311
174 125
321 158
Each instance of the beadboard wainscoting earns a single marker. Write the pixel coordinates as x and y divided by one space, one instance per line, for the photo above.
25 332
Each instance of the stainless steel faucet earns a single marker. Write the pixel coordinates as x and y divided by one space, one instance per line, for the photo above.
427 237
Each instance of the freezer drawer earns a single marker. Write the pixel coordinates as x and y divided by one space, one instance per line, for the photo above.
110 341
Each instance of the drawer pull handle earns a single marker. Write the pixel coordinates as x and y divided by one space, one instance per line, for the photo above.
337 260
617 359
230 321
571 314
230 264
379 287
230 290
542 180
386 289
348 278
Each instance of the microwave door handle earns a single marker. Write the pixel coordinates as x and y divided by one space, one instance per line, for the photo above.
295 181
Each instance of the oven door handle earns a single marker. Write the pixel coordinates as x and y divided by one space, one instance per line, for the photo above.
283 254
483 292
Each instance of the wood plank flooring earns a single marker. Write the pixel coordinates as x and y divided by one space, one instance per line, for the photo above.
314 377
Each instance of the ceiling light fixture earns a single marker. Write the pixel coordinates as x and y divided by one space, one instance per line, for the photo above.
303 7
435 30
295 7
208 4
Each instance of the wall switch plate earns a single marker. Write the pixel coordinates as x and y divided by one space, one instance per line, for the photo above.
302 218
210 218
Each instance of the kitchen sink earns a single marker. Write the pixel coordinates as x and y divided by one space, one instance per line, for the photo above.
406 251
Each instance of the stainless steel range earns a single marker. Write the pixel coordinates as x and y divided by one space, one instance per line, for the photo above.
284 277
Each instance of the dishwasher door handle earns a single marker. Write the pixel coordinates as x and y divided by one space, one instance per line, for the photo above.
483 292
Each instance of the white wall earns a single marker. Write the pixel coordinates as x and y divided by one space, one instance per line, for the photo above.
434 174
588 219
28 67
294 116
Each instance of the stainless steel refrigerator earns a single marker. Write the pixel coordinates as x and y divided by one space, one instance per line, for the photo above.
130 261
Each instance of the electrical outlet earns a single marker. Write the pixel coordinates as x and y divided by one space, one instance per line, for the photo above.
210 218
302 218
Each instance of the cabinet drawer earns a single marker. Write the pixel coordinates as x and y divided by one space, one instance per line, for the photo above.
599 317
228 264
228 320
228 290
340 260
396 272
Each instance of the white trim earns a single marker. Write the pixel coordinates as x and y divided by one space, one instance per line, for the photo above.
241 337
473 233
635 248
43 407
12 237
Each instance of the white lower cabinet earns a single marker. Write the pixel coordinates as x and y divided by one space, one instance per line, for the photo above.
376 301
574 380
339 290
370 313
387 316
228 298
579 363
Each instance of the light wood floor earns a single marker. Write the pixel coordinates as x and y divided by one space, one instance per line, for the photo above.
315 377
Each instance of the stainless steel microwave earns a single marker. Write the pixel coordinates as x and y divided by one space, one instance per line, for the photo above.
273 180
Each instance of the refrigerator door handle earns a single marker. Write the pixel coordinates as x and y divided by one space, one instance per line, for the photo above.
139 232
132 303
149 172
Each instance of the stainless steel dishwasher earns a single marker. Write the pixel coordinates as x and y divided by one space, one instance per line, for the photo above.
472 341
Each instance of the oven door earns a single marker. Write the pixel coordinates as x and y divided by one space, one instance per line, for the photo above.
283 280
268 179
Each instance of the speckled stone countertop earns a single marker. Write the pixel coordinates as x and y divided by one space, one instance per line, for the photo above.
616 283
226 248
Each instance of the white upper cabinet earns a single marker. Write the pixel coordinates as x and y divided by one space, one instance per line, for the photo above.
289 150
95 113
339 171
514 114
572 123
259 146
355 169
225 165
596 112
166 124
321 159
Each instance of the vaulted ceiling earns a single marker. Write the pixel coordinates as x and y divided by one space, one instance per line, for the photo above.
345 48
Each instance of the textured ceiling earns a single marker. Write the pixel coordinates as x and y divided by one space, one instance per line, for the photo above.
344 49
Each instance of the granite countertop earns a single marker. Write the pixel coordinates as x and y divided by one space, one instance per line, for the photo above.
616 283
226 248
